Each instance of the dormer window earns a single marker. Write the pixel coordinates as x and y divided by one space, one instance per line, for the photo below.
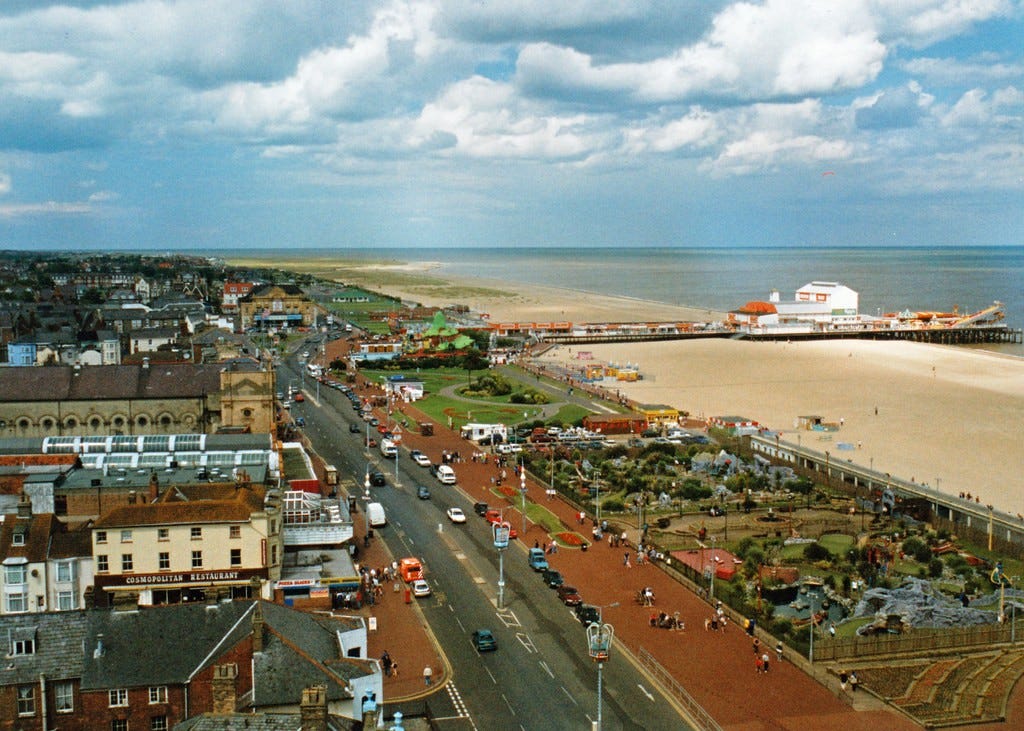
18 539
23 641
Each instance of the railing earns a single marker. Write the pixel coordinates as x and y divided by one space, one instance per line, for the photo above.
915 641
693 710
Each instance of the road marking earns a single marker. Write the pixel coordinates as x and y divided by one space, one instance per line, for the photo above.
479 580
569 695
457 702
461 556
526 642
491 675
508 618
645 692
546 668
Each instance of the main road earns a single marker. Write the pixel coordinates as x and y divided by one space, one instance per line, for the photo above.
541 676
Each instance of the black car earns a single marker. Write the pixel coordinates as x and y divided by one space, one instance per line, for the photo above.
354 428
480 508
423 492
377 479
588 614
552 578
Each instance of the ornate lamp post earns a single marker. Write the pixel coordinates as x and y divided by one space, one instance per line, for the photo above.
522 493
599 644
366 500
501 530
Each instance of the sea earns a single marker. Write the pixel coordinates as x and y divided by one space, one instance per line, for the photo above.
888 279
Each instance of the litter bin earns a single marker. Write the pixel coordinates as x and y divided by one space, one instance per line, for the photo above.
408 595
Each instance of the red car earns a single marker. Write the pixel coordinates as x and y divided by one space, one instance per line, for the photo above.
569 596
299 397
494 516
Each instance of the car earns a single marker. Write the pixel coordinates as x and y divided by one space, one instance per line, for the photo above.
456 515
552 578
299 398
480 509
374 421
483 640
493 516
419 458
569 595
300 421
420 587
381 428
354 428
423 492
537 560
588 614
377 479
371 443
280 395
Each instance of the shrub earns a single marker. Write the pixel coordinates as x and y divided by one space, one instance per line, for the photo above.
935 567
816 552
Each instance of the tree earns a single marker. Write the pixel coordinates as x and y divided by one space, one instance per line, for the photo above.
474 361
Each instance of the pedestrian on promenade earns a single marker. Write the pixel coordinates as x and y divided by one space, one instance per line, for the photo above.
842 679
758 664
385 661
764 661
853 681
428 675
778 651
757 646
394 669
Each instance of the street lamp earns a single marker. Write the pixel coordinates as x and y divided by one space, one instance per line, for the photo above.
599 644
501 531
366 508
522 492
812 598
597 495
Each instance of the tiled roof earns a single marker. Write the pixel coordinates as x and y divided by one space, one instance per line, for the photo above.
256 722
37 531
223 503
65 383
58 646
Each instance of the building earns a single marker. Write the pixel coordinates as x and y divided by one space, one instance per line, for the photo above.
136 399
195 542
150 339
65 347
403 387
234 291
102 669
45 566
815 305
276 307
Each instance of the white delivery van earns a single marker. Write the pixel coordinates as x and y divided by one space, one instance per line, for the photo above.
375 514
446 475
388 449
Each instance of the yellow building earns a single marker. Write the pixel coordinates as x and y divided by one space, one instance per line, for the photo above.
277 307
658 412
195 543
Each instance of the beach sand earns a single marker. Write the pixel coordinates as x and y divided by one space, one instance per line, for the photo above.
949 417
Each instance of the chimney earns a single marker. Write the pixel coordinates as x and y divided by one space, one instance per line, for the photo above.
313 709
223 688
154 487
257 628
24 506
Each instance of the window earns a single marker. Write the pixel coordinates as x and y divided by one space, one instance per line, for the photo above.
164 561
64 697
18 539
119 724
197 534
126 535
23 647
102 565
158 694
66 601
236 556
197 559
16 574
273 555
163 534
65 571
26 700
16 603
158 723
101 536
126 562
118 697
235 531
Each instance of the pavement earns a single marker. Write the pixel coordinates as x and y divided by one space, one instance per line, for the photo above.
716 669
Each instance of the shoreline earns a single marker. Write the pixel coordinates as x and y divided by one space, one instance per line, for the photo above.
947 416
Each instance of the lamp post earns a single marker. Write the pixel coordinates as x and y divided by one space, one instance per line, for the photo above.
810 652
501 530
522 493
366 510
599 644
597 496
828 472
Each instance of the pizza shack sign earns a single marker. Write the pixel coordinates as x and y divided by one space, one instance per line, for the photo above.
180 577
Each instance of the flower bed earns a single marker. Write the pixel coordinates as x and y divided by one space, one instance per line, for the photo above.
570 539
508 492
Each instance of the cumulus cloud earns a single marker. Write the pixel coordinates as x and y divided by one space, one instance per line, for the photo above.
5 183
893 108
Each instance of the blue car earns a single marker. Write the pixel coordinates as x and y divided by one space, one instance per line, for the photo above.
484 641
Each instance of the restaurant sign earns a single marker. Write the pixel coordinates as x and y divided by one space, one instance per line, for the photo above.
179 578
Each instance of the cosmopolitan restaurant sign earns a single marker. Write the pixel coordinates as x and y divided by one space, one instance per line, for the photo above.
179 578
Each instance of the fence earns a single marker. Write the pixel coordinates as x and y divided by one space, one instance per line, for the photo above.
916 641
693 711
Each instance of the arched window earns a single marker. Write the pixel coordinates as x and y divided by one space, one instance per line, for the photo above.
95 422
47 423
142 421
119 421
165 420
70 422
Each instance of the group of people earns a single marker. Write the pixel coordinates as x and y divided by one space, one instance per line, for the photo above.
848 678
663 620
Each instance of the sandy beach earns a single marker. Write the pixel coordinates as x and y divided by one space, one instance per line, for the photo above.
949 417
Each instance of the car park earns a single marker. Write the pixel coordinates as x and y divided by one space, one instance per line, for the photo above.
420 587
419 458
484 641
377 479
569 595
423 492
456 515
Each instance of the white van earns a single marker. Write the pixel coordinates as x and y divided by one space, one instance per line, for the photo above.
446 475
388 449
375 514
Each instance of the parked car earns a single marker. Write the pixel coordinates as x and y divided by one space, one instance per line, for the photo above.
419 458
299 398
423 492
377 479
483 640
537 560
480 508
300 421
552 578
494 516
420 587
354 428
569 595
456 515
588 614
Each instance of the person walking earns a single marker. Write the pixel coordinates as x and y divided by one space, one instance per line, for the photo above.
853 681
428 675
778 651
764 661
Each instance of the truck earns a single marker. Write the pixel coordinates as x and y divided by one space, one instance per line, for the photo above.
537 560
484 433
388 449
410 569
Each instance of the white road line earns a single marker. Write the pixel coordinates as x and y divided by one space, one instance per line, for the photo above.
645 692
526 642
568 695
491 675
546 668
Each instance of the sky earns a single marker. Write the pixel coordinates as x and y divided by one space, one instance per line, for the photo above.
259 125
